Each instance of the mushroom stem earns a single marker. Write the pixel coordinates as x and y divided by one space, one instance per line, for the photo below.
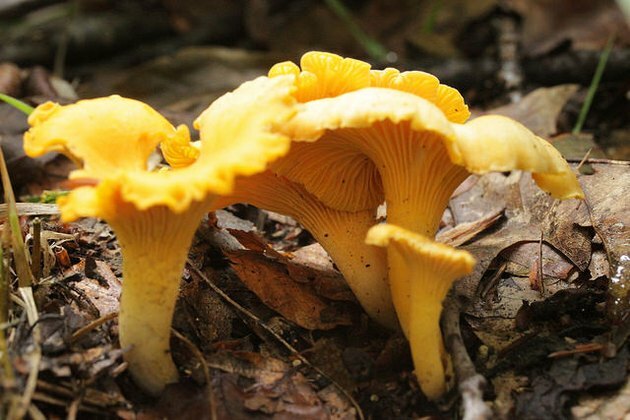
154 245
341 234
429 355
430 269
417 172
418 179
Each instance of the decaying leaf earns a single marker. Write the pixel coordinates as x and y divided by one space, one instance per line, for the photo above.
101 286
312 265
607 191
577 146
529 212
587 24
539 110
270 279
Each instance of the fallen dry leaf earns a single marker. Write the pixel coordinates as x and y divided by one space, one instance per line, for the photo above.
587 24
607 191
523 257
312 265
271 282
463 232
101 286
539 109
528 212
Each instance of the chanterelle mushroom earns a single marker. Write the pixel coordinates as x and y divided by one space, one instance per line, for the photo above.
431 268
341 233
409 132
155 214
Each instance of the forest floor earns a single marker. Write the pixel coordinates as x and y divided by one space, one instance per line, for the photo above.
265 326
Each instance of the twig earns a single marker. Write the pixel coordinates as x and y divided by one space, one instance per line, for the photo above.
92 325
540 265
20 253
36 254
7 367
19 410
74 407
269 330
584 159
32 209
35 413
601 161
471 384
206 371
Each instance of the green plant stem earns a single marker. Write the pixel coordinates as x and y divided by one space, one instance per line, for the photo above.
7 369
17 104
592 89
428 26
375 49
36 255
25 276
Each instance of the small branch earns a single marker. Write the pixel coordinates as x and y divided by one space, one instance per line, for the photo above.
36 254
206 371
89 327
601 161
471 384
20 409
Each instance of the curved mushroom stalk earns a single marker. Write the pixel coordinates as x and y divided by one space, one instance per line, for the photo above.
155 214
431 269
341 234
151 242
154 244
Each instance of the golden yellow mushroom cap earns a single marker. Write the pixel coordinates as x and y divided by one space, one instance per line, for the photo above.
349 128
324 75
104 134
179 151
421 252
239 136
426 86
493 143
335 162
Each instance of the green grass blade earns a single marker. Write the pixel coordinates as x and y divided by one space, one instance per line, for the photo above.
25 276
375 49
17 104
592 89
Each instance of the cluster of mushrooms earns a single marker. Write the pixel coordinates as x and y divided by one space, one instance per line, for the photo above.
326 143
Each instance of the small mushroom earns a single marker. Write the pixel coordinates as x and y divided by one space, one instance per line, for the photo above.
431 268
155 214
